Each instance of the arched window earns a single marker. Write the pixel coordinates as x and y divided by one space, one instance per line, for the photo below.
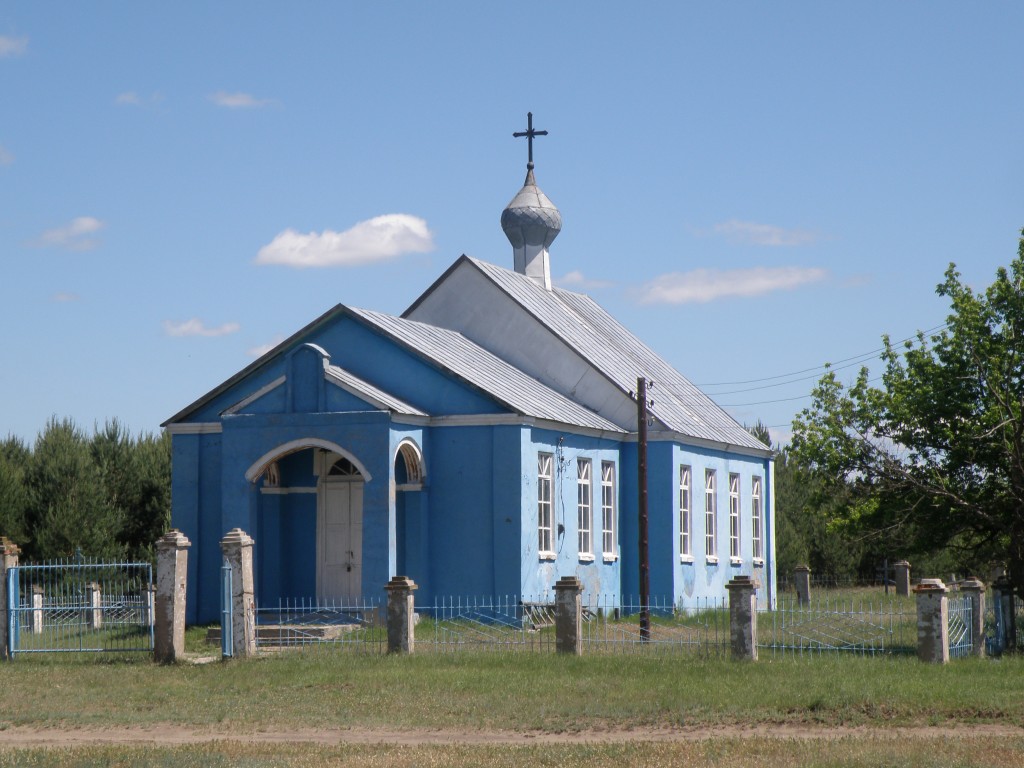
408 465
343 468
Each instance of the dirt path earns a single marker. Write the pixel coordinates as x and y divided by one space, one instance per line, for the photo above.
169 735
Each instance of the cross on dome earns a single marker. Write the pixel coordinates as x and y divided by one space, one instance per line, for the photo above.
529 133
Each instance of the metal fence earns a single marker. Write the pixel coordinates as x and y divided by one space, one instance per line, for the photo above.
353 625
959 624
839 625
495 624
486 623
66 606
698 627
1004 623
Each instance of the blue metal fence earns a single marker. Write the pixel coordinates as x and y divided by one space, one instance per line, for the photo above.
227 645
959 622
75 606
839 624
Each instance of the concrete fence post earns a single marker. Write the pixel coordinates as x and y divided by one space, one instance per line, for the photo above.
171 583
9 552
569 616
1002 595
743 617
36 625
974 589
94 605
932 621
802 582
149 605
902 569
237 549
401 614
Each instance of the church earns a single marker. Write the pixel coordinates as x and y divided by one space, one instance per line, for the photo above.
485 442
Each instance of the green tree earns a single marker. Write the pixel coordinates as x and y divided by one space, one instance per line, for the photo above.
68 509
933 458
14 458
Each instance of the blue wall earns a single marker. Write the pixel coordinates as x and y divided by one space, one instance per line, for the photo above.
600 575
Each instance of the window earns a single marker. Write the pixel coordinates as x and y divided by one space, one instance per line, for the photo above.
685 520
710 515
545 543
756 516
609 533
584 508
734 516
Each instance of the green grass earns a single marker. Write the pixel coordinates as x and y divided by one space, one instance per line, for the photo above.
544 692
724 753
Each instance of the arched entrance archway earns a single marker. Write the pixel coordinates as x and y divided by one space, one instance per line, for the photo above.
309 513
410 530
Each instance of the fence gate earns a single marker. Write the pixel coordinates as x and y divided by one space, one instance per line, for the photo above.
227 605
80 606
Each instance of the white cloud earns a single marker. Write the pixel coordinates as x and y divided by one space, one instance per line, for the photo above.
6 158
196 327
12 46
577 279
704 285
64 298
751 233
377 239
128 97
238 100
73 236
262 349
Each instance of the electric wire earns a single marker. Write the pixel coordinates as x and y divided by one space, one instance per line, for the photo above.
837 365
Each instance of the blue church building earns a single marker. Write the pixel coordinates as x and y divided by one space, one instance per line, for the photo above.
482 443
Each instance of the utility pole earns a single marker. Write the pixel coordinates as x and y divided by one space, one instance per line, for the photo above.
641 453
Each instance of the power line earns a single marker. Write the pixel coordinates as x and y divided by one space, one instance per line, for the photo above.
855 359
781 400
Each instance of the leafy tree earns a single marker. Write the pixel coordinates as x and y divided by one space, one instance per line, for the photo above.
933 458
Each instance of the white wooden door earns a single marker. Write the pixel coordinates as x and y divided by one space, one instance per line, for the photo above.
340 540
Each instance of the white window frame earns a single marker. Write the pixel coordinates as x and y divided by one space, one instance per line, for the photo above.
584 509
710 516
757 519
734 518
685 514
545 506
609 513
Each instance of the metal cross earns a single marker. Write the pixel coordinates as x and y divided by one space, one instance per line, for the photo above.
529 133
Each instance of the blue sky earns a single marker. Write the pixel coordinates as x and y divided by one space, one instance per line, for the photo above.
755 189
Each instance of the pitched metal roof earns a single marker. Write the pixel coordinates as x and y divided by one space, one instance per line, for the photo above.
611 348
484 370
367 391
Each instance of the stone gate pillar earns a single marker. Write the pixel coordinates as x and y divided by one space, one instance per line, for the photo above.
171 582
569 616
902 569
401 614
743 617
9 552
932 621
974 589
237 549
802 583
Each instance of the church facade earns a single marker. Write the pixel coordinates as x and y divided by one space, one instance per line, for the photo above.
482 443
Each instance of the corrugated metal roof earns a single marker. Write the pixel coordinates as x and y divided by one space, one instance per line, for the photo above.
374 395
474 364
611 348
